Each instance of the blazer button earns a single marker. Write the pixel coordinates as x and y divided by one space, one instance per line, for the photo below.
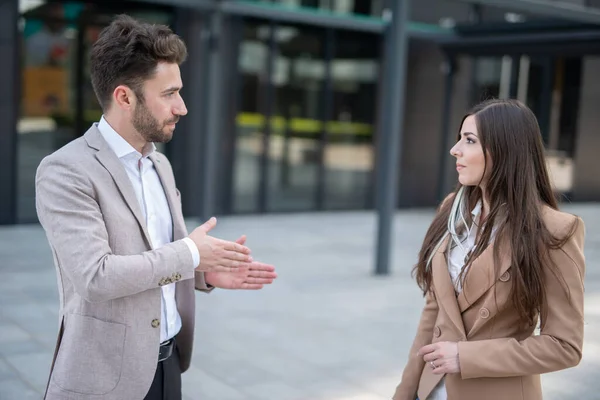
437 332
505 276
155 323
484 313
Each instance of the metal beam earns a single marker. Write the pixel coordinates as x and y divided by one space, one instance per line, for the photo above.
9 108
199 5
556 9
312 17
392 125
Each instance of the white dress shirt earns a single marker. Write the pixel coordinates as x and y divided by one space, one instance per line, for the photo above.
456 262
155 209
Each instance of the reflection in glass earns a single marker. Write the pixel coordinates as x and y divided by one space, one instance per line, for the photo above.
45 123
349 152
295 140
56 89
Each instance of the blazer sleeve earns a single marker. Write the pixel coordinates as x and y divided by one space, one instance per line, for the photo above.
74 225
407 389
560 342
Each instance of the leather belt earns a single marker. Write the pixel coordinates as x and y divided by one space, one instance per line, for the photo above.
166 350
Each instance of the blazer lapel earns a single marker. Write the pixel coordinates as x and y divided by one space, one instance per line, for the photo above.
109 160
482 275
444 288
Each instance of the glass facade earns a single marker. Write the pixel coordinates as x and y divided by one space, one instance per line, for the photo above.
304 137
300 99
58 103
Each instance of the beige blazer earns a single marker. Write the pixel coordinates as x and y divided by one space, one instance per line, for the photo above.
498 360
109 279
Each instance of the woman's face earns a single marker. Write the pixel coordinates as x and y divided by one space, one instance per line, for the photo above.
469 154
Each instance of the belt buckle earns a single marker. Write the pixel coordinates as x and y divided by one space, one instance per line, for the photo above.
168 350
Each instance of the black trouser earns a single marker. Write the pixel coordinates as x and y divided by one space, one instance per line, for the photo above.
167 379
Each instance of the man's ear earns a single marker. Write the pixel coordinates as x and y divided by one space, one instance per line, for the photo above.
123 97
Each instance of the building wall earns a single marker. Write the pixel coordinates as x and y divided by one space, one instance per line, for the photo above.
422 141
586 182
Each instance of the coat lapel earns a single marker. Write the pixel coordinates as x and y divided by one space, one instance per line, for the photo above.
109 160
482 275
444 288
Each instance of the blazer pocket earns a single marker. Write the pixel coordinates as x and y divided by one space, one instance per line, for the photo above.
90 356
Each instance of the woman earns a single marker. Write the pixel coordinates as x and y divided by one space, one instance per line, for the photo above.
497 256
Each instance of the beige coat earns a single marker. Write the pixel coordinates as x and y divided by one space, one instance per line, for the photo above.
498 360
109 278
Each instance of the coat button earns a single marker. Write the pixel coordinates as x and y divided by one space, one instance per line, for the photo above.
437 332
484 313
505 276
155 323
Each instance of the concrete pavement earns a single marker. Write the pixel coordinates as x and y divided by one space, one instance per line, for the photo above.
328 329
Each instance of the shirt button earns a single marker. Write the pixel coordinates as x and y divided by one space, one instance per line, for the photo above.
484 313
155 323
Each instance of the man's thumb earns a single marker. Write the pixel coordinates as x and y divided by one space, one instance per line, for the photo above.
208 225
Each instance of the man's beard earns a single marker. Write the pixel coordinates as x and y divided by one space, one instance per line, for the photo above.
149 127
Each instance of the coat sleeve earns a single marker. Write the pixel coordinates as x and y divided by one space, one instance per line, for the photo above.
559 344
74 225
407 389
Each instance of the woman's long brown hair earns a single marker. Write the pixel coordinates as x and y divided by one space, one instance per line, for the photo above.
518 184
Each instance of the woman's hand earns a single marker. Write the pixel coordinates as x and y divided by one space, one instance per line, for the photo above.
441 357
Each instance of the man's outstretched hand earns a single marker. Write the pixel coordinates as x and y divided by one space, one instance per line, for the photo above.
218 255
251 276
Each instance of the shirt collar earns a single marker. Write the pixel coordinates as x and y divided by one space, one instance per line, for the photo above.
476 210
119 145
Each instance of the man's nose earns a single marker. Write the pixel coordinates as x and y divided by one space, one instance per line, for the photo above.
181 109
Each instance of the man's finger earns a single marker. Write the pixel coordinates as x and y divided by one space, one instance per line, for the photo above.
262 274
260 281
232 246
241 240
258 266
208 225
232 255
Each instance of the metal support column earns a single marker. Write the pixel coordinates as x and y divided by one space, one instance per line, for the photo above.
188 141
449 70
267 106
514 77
392 115
545 106
214 117
326 115
9 109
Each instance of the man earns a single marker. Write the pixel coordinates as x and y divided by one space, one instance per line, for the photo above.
126 267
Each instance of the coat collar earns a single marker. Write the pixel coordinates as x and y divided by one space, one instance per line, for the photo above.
107 157
482 275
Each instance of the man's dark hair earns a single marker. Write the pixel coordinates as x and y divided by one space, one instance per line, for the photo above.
127 53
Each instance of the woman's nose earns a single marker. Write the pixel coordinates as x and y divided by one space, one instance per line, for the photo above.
454 151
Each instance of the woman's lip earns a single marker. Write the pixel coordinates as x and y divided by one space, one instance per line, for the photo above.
459 166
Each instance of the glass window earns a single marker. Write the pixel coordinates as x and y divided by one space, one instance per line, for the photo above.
58 103
349 155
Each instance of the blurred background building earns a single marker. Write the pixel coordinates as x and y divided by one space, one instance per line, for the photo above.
284 96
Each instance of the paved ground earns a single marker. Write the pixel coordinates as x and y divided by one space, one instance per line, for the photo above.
328 329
